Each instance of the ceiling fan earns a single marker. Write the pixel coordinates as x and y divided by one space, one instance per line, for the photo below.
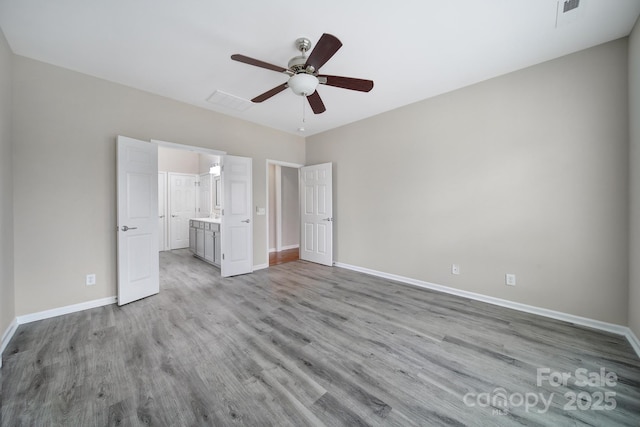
303 72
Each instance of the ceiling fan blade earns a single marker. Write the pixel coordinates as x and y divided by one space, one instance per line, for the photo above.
316 103
268 94
347 83
326 47
258 63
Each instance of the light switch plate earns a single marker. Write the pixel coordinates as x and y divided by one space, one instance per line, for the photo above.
260 211
510 279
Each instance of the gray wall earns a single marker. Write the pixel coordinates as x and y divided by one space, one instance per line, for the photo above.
634 115
525 173
290 207
65 126
7 300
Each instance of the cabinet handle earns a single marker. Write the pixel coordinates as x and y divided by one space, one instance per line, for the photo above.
125 228
173 216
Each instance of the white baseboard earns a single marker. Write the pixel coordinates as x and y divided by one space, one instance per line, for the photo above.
284 248
633 340
47 314
6 337
260 266
558 315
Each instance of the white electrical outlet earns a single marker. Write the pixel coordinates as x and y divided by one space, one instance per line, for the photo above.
510 279
455 269
91 279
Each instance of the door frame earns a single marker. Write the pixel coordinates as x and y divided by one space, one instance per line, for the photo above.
268 163
165 228
178 146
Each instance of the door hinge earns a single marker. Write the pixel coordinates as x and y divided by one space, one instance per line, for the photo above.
222 212
222 256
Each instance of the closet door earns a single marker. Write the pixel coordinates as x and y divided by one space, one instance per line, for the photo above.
182 207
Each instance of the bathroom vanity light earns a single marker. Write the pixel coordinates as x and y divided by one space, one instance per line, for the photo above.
214 169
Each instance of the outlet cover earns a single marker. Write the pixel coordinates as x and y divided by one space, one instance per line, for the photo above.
510 279
455 269
91 279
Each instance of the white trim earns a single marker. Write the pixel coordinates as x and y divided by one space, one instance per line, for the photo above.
6 337
177 146
260 266
558 315
278 206
633 340
286 248
285 164
165 220
47 314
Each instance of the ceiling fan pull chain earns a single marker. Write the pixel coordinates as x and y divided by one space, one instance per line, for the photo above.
304 119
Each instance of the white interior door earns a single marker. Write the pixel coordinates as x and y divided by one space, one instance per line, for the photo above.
137 198
162 211
182 207
316 214
205 205
236 231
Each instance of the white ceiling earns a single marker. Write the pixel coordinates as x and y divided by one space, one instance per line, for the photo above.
411 49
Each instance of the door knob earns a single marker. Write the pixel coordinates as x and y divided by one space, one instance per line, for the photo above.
246 220
125 228
161 216
328 219
173 216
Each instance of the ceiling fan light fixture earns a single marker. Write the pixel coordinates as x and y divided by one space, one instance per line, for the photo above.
303 84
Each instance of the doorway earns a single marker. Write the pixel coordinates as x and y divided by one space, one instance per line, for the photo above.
283 212
185 191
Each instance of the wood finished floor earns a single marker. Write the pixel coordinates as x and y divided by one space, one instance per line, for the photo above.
282 257
301 344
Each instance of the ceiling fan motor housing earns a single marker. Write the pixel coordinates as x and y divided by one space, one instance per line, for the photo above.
297 64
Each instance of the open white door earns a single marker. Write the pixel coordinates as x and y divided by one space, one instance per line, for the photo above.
162 211
236 232
316 214
137 186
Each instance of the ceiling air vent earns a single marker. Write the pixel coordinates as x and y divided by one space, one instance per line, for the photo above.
232 102
568 11
570 5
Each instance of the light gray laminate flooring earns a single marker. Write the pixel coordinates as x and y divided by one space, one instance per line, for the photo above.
301 344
